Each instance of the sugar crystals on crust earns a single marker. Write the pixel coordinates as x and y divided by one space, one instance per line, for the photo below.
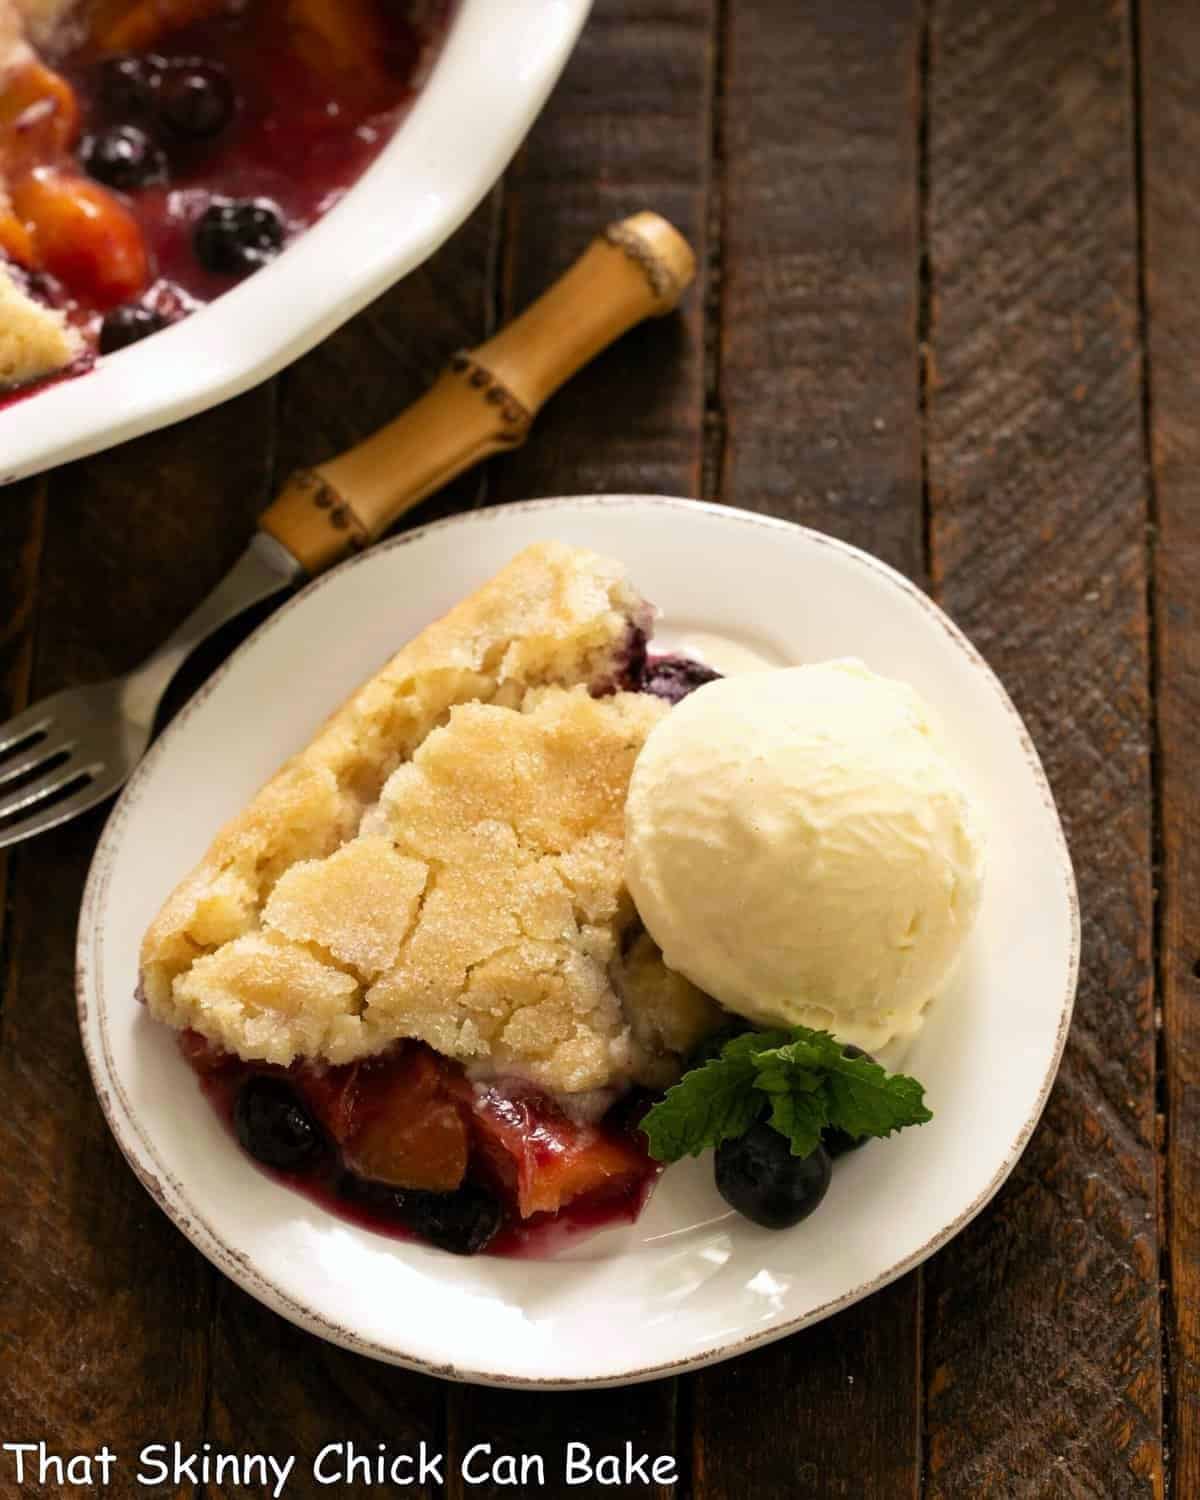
444 861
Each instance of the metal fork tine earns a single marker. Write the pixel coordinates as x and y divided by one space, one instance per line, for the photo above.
34 757
62 776
35 720
101 729
59 812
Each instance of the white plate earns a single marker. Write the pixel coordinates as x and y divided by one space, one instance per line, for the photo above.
690 1283
500 61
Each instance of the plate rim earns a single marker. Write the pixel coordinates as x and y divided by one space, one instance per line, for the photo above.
171 1196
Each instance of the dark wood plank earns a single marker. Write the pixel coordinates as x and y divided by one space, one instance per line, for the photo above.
104 1304
818 379
1170 55
22 531
1043 1344
274 1388
818 390
627 129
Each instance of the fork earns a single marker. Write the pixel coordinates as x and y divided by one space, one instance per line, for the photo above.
70 751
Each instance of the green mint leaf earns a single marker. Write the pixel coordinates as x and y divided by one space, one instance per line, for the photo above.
800 1048
801 1115
865 1100
711 1104
805 1079
751 1044
793 1074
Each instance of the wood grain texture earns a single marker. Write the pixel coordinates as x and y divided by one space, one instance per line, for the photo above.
818 373
1170 98
1043 1348
22 531
104 1306
818 390
628 128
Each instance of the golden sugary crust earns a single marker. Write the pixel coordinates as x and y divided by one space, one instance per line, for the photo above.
34 340
444 860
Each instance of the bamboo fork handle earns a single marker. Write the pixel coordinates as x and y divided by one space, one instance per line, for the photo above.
485 401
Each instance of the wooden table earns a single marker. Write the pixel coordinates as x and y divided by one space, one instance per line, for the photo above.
951 313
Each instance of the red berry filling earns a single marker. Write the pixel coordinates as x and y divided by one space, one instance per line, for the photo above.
408 1145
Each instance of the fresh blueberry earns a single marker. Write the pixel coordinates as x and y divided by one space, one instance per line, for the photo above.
840 1142
122 157
195 99
758 1175
128 325
273 1125
235 235
128 84
674 677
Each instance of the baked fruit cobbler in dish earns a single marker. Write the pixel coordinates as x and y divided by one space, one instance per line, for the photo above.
155 152
410 971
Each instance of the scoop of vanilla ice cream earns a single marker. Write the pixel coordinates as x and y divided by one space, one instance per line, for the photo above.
800 846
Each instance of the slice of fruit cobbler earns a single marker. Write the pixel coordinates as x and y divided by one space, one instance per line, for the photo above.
412 959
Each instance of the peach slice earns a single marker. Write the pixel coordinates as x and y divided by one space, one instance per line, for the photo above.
548 1160
136 25
39 118
406 1131
82 235
15 240
342 42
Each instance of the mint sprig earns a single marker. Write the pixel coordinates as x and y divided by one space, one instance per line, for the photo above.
802 1080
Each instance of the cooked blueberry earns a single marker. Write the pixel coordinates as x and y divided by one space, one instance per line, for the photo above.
273 1125
674 677
463 1222
632 660
234 235
128 325
195 99
122 157
758 1175
127 84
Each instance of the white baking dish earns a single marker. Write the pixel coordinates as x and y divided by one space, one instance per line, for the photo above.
499 63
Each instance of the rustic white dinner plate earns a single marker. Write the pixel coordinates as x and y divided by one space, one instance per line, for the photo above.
690 1283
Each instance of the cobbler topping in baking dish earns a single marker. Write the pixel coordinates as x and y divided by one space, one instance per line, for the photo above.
410 971
155 152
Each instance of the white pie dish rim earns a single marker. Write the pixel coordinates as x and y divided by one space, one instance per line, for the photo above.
498 64
695 1265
